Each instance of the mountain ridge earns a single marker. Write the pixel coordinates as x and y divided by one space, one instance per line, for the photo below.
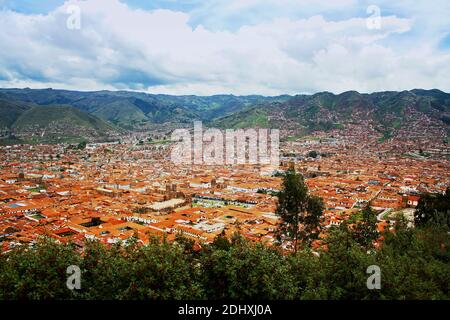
129 110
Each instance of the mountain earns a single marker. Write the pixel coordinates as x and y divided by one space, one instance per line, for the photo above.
256 116
105 113
387 111
133 110
43 116
10 111
51 124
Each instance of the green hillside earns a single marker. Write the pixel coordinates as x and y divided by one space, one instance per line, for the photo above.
56 123
254 117
325 111
387 111
134 109
10 111
122 113
43 116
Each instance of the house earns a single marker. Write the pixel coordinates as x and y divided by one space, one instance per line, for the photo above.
412 201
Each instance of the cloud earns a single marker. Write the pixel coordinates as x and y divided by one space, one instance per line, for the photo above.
162 51
232 14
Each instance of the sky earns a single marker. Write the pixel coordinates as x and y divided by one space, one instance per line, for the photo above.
206 47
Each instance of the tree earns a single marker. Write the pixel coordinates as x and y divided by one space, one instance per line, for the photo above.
344 264
366 231
312 154
246 271
221 242
413 262
433 209
300 213
186 243
81 145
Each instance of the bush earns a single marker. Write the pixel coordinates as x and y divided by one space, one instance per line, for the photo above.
414 264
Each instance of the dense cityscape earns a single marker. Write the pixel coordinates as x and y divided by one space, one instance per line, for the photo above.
115 191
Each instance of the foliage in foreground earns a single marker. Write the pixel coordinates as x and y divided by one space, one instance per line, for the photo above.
414 265
433 209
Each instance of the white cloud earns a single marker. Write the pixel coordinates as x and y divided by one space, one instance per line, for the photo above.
158 51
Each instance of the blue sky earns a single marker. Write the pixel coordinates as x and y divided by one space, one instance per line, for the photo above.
206 12
45 6
225 46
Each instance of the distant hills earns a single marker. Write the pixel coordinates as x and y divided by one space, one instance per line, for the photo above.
387 111
58 114
132 109
61 123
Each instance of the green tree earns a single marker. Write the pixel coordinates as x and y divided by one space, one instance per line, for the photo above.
433 209
185 242
366 232
246 271
81 145
38 272
344 265
221 242
300 213
313 154
414 264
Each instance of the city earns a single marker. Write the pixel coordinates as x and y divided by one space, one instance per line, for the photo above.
115 191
